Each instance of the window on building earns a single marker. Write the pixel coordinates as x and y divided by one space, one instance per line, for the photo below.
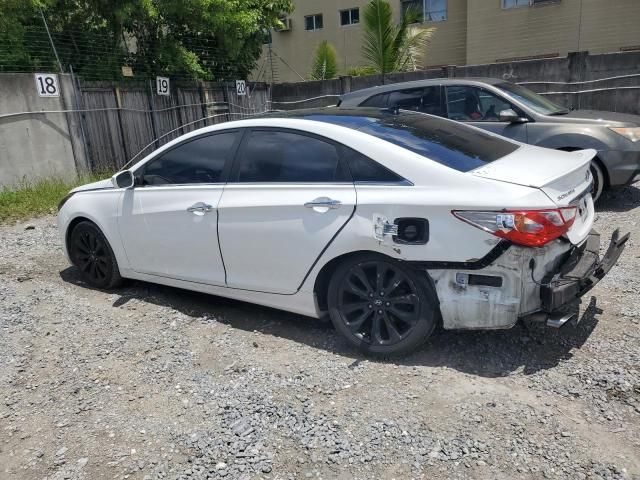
313 22
350 16
525 3
515 3
429 10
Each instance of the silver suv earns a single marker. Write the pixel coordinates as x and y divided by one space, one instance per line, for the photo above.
517 112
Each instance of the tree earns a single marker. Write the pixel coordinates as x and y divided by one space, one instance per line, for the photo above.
200 39
361 71
393 48
325 63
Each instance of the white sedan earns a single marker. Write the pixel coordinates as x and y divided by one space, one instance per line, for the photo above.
391 222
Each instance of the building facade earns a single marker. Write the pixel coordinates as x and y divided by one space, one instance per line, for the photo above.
468 32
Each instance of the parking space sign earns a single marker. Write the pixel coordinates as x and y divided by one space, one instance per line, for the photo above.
47 84
162 84
241 87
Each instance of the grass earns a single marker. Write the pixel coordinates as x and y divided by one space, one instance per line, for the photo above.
31 199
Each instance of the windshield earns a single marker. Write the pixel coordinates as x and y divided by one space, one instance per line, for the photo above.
449 143
532 100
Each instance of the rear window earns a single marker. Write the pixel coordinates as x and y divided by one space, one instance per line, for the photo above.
449 143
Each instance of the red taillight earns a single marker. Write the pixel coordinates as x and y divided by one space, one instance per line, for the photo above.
532 228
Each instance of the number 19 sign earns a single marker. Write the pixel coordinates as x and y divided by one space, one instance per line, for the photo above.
162 84
47 84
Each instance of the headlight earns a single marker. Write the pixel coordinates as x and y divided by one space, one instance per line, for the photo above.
630 133
64 200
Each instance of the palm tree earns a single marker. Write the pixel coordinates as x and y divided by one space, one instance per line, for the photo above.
325 63
393 48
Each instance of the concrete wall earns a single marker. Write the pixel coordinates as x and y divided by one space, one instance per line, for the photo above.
34 146
565 80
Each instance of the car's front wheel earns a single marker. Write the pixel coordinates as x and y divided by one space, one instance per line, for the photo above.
382 306
90 251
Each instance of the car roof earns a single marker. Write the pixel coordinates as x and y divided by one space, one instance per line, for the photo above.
365 93
447 142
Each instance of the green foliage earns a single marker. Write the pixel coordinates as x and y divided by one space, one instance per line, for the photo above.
325 63
361 71
389 47
200 39
30 199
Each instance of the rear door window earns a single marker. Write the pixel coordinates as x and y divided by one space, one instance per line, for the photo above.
279 156
365 170
424 99
377 101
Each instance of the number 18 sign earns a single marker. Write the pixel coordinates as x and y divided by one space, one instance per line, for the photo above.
47 84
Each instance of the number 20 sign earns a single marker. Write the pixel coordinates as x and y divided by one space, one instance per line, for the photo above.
47 84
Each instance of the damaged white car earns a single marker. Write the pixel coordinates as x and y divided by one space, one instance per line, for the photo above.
390 222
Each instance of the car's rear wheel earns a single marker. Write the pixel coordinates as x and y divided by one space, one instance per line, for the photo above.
91 253
598 180
382 306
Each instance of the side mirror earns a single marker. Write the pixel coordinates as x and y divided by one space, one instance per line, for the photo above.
511 116
123 179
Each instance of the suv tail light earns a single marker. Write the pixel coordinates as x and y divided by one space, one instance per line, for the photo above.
531 228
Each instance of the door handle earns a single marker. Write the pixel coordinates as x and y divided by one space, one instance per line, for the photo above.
323 202
200 208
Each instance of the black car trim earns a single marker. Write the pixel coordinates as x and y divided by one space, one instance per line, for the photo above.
495 253
71 194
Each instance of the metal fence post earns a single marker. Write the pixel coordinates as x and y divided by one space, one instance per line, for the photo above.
77 94
123 138
154 120
203 101
225 97
175 98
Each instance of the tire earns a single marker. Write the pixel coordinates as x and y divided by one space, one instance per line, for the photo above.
382 322
90 251
598 180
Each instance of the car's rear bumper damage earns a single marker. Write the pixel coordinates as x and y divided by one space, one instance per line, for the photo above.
582 270
543 284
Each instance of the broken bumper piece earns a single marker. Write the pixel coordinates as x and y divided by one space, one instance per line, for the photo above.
582 270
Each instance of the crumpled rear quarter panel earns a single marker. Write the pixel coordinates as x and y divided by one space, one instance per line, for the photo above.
484 307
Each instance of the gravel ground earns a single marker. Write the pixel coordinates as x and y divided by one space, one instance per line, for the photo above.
153 382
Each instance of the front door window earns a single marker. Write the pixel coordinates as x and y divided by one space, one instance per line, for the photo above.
472 104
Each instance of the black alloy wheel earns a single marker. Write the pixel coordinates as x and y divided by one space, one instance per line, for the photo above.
382 306
91 253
